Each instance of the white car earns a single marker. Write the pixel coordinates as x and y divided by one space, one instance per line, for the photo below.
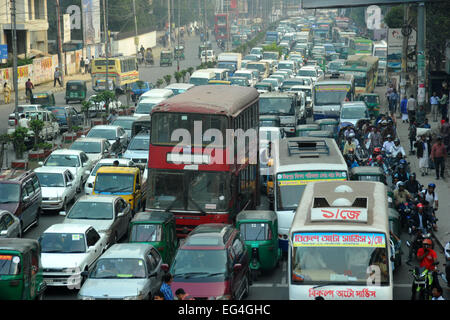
110 133
275 83
144 106
95 148
58 187
210 56
249 74
75 160
104 162
67 250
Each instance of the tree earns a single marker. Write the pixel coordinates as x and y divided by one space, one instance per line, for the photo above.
18 140
167 79
85 105
438 31
177 76
394 17
183 74
36 126
159 83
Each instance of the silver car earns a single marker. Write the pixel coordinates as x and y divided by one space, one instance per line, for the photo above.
9 225
138 148
130 271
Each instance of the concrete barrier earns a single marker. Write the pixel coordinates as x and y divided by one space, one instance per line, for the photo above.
127 47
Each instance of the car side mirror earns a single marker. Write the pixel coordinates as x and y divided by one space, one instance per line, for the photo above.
121 214
237 267
91 248
70 183
26 199
41 163
165 267
3 232
87 172
62 213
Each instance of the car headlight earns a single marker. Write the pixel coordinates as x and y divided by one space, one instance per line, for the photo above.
86 298
138 297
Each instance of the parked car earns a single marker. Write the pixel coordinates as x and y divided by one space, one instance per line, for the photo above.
95 148
104 162
64 113
21 264
129 271
212 264
67 250
126 122
138 148
58 187
76 161
138 88
9 225
109 215
110 133
50 129
21 194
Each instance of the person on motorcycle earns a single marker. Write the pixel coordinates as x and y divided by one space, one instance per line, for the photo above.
380 163
117 147
403 175
426 255
401 195
412 185
349 144
420 218
431 196
388 144
351 159
397 149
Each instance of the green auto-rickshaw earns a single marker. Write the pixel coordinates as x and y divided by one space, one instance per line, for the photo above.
75 90
166 58
21 273
45 99
203 47
328 124
304 129
179 53
372 101
259 229
157 229
368 173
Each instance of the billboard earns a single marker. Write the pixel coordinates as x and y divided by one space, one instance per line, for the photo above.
66 28
91 21
317 4
395 47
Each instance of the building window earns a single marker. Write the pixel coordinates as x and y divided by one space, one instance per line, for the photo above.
30 9
39 9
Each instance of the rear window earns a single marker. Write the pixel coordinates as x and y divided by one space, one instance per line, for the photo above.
203 241
9 265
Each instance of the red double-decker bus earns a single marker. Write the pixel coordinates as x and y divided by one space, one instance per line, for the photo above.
207 171
221 26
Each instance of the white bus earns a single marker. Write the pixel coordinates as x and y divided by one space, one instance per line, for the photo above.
380 51
338 243
297 162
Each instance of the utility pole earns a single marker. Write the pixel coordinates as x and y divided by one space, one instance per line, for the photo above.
60 53
205 30
421 53
135 28
178 57
14 44
170 23
105 27
403 78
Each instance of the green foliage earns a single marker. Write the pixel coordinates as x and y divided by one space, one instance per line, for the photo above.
18 140
438 31
85 105
273 47
45 145
358 16
190 70
394 17
36 126
167 79
5 138
177 76
183 74
77 128
159 83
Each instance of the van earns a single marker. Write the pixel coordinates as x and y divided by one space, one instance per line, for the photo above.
157 93
201 77
262 67
221 74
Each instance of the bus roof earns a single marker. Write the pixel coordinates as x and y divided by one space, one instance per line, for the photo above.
359 197
335 78
210 99
308 153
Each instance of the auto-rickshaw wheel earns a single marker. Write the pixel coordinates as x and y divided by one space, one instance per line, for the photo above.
254 274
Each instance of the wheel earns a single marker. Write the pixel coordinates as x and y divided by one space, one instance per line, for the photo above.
254 274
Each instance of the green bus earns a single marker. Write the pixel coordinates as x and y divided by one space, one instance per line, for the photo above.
361 46
365 71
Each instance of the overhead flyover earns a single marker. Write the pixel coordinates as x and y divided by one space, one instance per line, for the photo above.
329 4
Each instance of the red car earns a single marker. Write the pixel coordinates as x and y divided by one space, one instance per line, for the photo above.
212 264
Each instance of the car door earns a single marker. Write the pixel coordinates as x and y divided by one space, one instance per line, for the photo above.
11 225
71 188
3 226
238 276
93 240
28 213
106 149
120 223
153 265
86 165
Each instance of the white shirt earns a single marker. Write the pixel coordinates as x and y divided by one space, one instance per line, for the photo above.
430 199
387 146
86 62
440 298
396 150
23 122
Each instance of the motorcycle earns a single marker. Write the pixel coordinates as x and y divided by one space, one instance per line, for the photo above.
424 281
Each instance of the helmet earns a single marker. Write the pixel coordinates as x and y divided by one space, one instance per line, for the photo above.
413 175
377 151
396 176
379 157
419 205
401 184
427 241
388 136
396 141
431 185
402 161
351 135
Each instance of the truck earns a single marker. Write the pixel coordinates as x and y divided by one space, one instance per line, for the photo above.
230 61
272 36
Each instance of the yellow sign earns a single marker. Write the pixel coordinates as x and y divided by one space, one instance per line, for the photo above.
136 41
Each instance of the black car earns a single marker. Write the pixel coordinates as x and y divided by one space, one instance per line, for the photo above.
63 113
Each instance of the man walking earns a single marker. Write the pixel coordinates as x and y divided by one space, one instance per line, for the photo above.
438 155
82 65
28 90
393 100
57 76
443 104
412 107
86 65
445 134
434 101
412 135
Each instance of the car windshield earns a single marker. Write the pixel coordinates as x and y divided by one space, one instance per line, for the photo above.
289 66
198 81
243 75
60 112
269 123
126 124
114 183
50 179
9 265
335 257
263 86
306 73
9 192
372 99
108 134
239 82
251 58
63 243
118 268
145 107
270 56
277 106
145 232
178 91
354 113
199 263
369 178
255 231
139 144
87 146
61 160
91 210
260 67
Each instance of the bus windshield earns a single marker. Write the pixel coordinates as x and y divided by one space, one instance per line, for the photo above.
331 94
362 46
189 190
164 126
338 258
277 106
290 185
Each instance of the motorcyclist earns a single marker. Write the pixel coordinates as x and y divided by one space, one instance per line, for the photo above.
397 149
117 147
401 195
380 163
401 170
426 255
349 144
431 197
388 144
420 219
412 185
351 159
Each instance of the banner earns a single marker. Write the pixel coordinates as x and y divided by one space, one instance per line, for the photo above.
303 177
91 21
338 239
66 28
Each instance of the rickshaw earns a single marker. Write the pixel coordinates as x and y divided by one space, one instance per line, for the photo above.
75 90
328 124
203 47
157 229
259 229
166 58
394 228
179 53
372 101
304 129
21 276
45 99
148 56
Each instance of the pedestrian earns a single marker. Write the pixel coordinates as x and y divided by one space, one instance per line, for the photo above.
166 289
7 92
23 122
445 133
425 124
56 77
434 101
112 116
437 293
90 64
439 155
412 135
82 65
393 100
28 89
158 296
420 116
412 107
423 148
182 295
443 105
404 109
388 92
86 65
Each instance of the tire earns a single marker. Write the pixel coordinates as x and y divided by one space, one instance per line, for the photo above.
254 274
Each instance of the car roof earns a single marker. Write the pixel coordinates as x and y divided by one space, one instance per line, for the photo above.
86 139
97 198
125 118
209 235
106 126
179 86
67 228
111 161
256 215
127 250
44 169
353 104
155 216
67 152
119 170
15 176
142 135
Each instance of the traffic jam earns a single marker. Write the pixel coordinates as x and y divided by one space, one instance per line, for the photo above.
285 156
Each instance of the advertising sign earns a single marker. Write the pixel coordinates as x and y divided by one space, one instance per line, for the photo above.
338 239
303 177
395 48
3 51
66 28
91 21
339 214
